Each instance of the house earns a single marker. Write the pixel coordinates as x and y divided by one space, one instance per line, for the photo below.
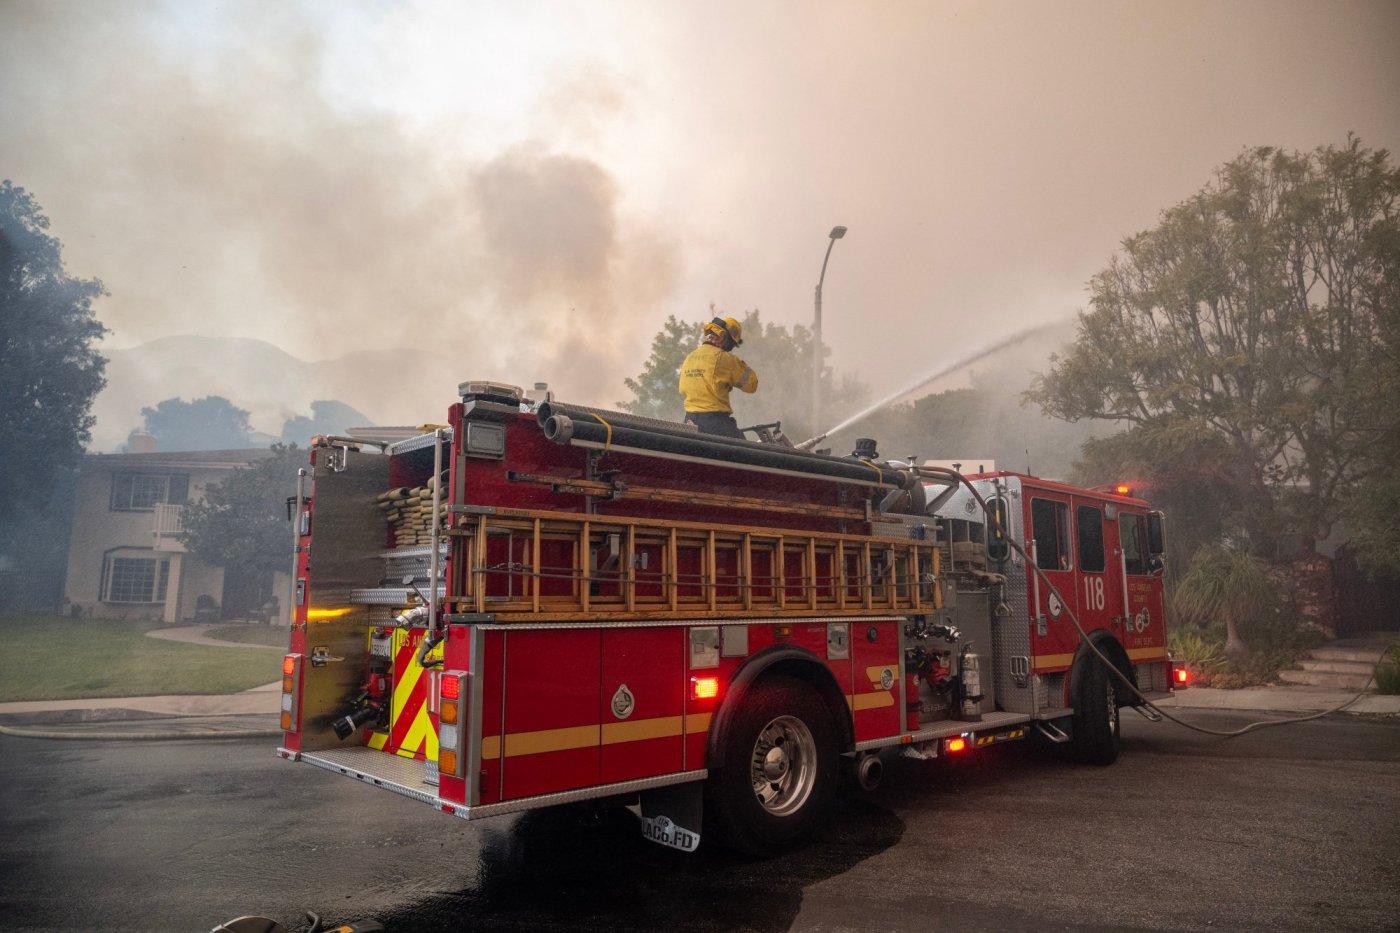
125 556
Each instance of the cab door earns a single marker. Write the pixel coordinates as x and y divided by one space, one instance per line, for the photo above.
1055 594
1145 633
1100 583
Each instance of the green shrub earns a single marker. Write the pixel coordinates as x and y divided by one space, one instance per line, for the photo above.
1246 608
1197 650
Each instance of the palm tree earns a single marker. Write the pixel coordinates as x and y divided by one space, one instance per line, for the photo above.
1227 584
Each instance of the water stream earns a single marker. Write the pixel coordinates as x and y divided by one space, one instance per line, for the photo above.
924 380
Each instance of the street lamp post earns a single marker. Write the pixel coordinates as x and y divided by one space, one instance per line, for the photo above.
836 234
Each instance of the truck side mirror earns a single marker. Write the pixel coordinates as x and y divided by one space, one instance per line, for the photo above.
1156 534
997 547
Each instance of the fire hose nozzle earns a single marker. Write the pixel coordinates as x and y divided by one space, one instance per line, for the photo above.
410 616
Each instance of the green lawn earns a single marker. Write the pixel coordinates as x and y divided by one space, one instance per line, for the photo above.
48 658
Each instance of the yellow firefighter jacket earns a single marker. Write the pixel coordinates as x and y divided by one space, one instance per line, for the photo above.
707 376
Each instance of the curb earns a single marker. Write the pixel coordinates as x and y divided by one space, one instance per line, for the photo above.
141 736
136 725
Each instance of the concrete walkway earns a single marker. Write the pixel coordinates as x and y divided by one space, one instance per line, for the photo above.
1282 698
199 635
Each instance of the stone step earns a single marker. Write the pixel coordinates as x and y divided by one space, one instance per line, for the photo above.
1326 679
1357 654
1330 666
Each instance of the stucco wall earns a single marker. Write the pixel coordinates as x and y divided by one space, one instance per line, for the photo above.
98 530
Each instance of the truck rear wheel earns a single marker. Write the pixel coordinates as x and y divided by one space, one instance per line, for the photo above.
1096 722
779 773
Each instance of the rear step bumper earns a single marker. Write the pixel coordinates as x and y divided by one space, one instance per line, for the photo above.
407 776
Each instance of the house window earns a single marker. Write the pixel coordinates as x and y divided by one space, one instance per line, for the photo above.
141 492
134 579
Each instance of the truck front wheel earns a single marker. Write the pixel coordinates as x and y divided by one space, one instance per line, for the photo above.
779 773
1096 723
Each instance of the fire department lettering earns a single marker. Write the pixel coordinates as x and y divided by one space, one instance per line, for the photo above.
661 829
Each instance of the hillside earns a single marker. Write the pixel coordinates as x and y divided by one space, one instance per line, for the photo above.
269 383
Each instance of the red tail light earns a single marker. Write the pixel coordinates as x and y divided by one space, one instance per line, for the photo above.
704 688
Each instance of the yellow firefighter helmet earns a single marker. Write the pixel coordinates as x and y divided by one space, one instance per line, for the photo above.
728 327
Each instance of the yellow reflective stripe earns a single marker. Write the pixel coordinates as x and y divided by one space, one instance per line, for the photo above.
377 740
1134 654
661 728
420 736
404 689
877 673
609 733
871 700
551 740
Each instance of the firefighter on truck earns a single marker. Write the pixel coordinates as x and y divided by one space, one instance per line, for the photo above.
544 603
710 373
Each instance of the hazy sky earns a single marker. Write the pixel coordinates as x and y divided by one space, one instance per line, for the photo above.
530 188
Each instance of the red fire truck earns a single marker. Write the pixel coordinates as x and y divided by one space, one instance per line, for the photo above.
540 603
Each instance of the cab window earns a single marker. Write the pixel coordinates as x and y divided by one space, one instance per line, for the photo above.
1050 526
1132 534
1089 522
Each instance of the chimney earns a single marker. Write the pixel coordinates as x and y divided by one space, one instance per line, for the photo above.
139 442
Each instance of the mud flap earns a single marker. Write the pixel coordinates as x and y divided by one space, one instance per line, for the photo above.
671 815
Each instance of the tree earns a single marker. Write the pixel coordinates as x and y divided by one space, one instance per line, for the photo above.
1261 311
1227 585
1184 469
989 421
327 417
209 423
242 521
781 357
654 392
49 371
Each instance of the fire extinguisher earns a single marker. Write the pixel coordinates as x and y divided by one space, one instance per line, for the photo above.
970 685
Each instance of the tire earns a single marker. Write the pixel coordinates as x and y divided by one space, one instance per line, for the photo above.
780 770
1096 716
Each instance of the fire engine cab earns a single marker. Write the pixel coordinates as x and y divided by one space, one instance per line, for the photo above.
540 603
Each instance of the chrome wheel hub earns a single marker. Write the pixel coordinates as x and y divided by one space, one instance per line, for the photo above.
783 767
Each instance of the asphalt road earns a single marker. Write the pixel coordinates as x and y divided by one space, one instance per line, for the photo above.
1296 828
